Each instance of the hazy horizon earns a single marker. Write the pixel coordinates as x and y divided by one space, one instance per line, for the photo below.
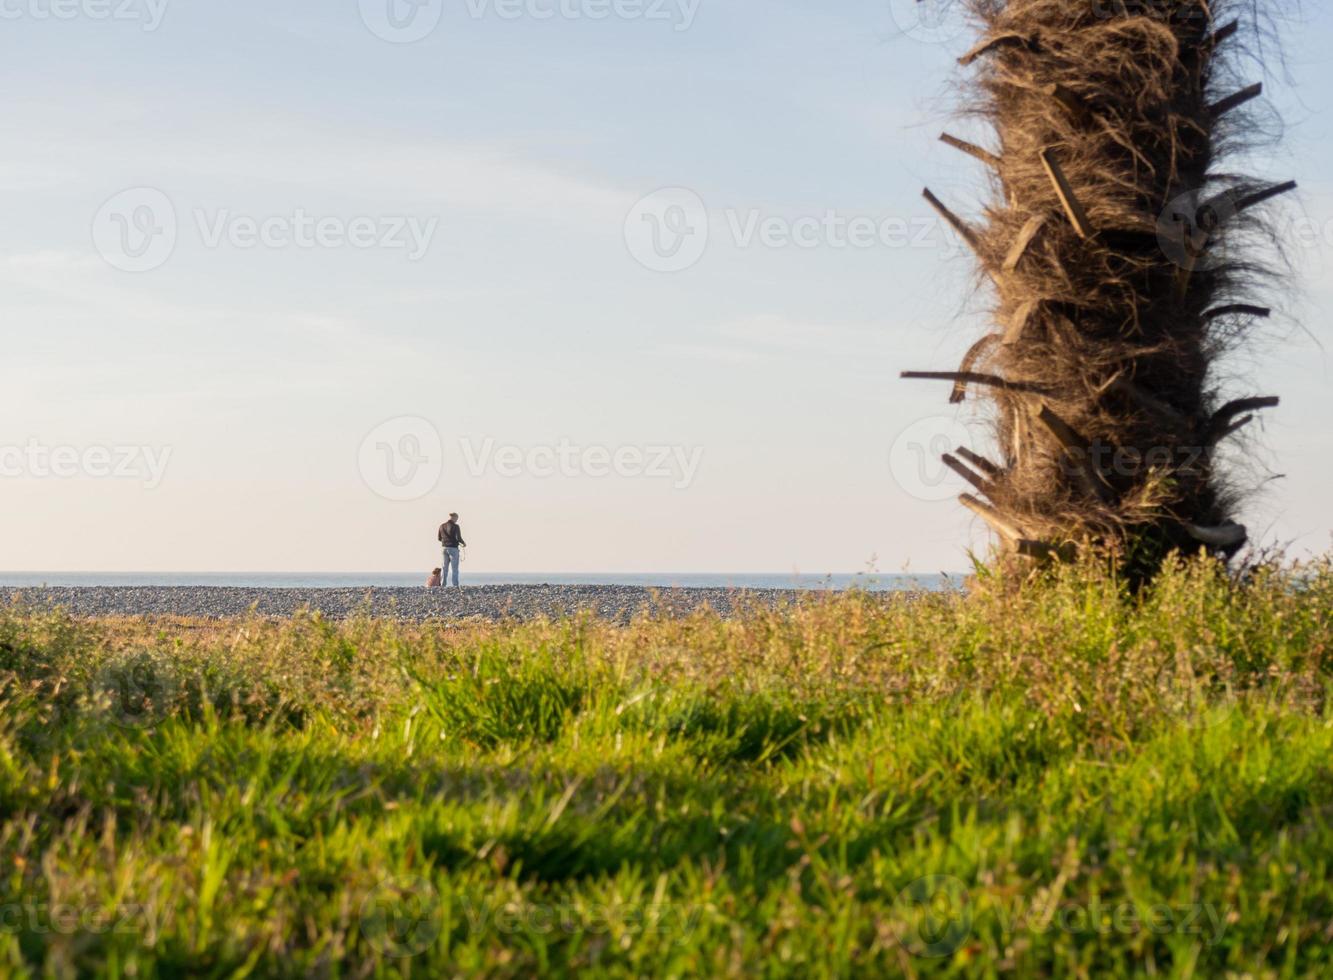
21 582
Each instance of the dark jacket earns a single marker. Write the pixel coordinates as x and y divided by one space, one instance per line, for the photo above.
451 535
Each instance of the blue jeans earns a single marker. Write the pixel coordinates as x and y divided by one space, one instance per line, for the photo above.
450 559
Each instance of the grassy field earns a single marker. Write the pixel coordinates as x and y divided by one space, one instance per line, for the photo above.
1064 781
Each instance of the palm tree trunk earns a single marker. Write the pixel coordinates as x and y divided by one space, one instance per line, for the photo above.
1116 248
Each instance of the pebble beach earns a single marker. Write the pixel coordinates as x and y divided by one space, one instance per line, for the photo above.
497 603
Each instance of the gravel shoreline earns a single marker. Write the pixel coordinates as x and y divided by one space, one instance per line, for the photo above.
494 602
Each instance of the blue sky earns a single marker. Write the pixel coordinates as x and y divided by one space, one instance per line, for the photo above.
743 413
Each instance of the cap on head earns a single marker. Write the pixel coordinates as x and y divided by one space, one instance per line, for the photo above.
453 515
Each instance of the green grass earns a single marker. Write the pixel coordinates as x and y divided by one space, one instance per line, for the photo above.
1063 780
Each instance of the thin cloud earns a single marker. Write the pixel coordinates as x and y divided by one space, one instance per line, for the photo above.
773 335
282 154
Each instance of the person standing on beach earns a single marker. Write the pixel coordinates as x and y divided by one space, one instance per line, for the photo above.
451 538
